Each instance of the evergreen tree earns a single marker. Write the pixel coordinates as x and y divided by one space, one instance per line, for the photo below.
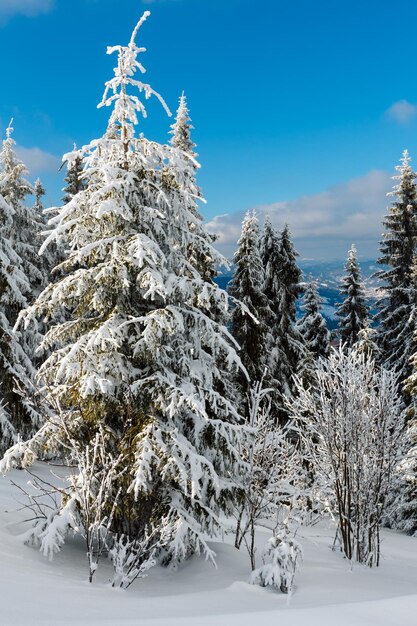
39 191
352 312
200 256
250 325
27 226
272 263
74 178
367 342
397 248
312 326
181 129
281 286
402 511
140 361
50 257
20 277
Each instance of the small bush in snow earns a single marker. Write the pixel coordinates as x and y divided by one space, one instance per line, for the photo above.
353 421
281 561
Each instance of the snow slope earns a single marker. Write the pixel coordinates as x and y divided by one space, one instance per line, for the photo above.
35 591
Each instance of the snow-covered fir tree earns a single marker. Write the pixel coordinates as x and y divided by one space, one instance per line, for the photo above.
410 385
20 278
200 256
352 311
181 129
27 224
282 287
141 361
50 257
39 192
402 513
250 326
367 342
312 326
74 178
396 317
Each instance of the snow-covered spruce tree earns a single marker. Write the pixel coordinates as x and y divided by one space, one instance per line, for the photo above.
396 320
74 178
39 192
141 358
283 288
181 129
367 342
312 326
201 255
20 278
27 223
249 326
50 257
403 510
352 422
353 311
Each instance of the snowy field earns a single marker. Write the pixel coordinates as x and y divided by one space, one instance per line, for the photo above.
36 591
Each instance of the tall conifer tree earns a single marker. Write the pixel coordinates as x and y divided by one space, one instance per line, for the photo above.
353 311
281 286
74 178
20 278
312 326
250 326
397 252
201 255
140 359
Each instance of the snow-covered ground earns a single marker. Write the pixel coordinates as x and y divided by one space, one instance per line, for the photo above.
35 591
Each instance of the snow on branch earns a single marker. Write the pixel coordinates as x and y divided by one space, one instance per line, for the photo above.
127 106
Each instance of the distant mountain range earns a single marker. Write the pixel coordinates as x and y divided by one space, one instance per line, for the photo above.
329 275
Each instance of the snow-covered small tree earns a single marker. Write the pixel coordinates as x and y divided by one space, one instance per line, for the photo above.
140 354
281 561
39 192
74 178
367 342
181 129
312 326
353 311
276 484
249 326
352 422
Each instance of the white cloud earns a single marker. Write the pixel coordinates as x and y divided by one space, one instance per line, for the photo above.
28 8
402 111
323 224
37 161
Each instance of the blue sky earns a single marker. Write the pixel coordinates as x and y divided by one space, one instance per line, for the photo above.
300 108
